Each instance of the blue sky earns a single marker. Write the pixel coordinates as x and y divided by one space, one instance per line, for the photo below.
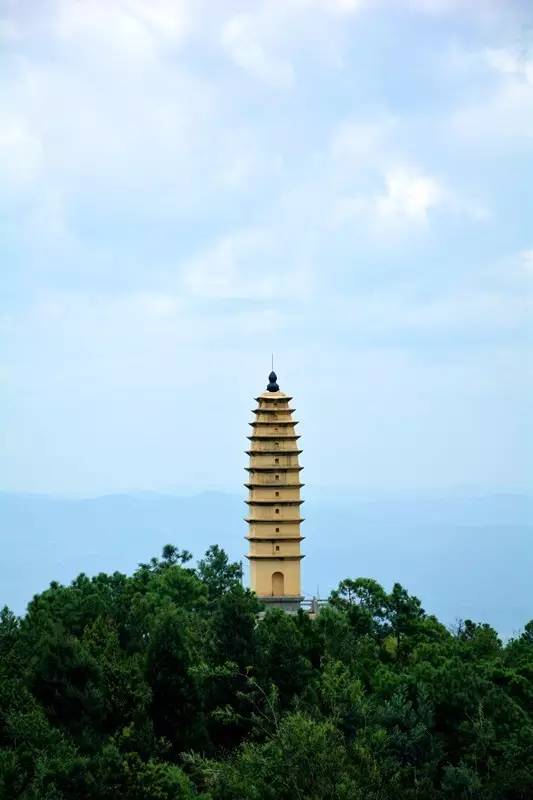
186 187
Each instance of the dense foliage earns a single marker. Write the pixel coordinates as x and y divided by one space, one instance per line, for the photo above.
166 685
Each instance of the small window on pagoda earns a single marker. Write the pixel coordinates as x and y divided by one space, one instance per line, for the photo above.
277 530
277 477
277 494
277 510
276 460
277 547
276 444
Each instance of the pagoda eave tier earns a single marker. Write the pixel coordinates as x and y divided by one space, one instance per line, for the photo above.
259 557
276 485
284 422
278 537
273 453
275 522
272 398
276 436
277 501
275 468
272 411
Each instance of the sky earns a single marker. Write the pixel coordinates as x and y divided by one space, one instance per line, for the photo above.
187 187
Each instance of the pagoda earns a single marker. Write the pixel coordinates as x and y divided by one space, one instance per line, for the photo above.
274 501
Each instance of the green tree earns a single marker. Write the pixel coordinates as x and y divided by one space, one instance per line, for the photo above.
404 614
282 656
217 573
170 683
364 602
176 707
305 759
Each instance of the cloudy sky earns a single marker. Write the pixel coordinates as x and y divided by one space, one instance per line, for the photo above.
187 186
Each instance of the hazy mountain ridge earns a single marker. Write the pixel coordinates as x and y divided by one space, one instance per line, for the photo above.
459 554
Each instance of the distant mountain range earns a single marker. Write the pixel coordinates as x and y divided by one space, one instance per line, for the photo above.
463 556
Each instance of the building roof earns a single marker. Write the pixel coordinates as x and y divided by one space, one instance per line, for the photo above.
278 396
273 410
278 556
274 468
273 422
275 523
276 485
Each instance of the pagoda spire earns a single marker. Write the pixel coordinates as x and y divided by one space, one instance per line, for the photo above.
273 382
274 501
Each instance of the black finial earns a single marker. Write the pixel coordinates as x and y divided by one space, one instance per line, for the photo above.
272 382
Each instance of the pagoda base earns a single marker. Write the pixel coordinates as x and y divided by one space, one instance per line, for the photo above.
288 603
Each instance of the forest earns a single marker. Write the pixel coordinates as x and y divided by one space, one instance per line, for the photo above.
170 685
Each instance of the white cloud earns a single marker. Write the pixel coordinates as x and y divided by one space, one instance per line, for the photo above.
507 115
132 27
21 151
513 274
434 6
398 201
504 111
510 62
267 39
501 60
408 195
226 270
92 125
487 10
246 264
526 262
9 32
242 39
243 164
82 130
359 145
334 6
464 311
179 220
491 300
375 182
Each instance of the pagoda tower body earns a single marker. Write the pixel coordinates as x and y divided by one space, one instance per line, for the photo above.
274 501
